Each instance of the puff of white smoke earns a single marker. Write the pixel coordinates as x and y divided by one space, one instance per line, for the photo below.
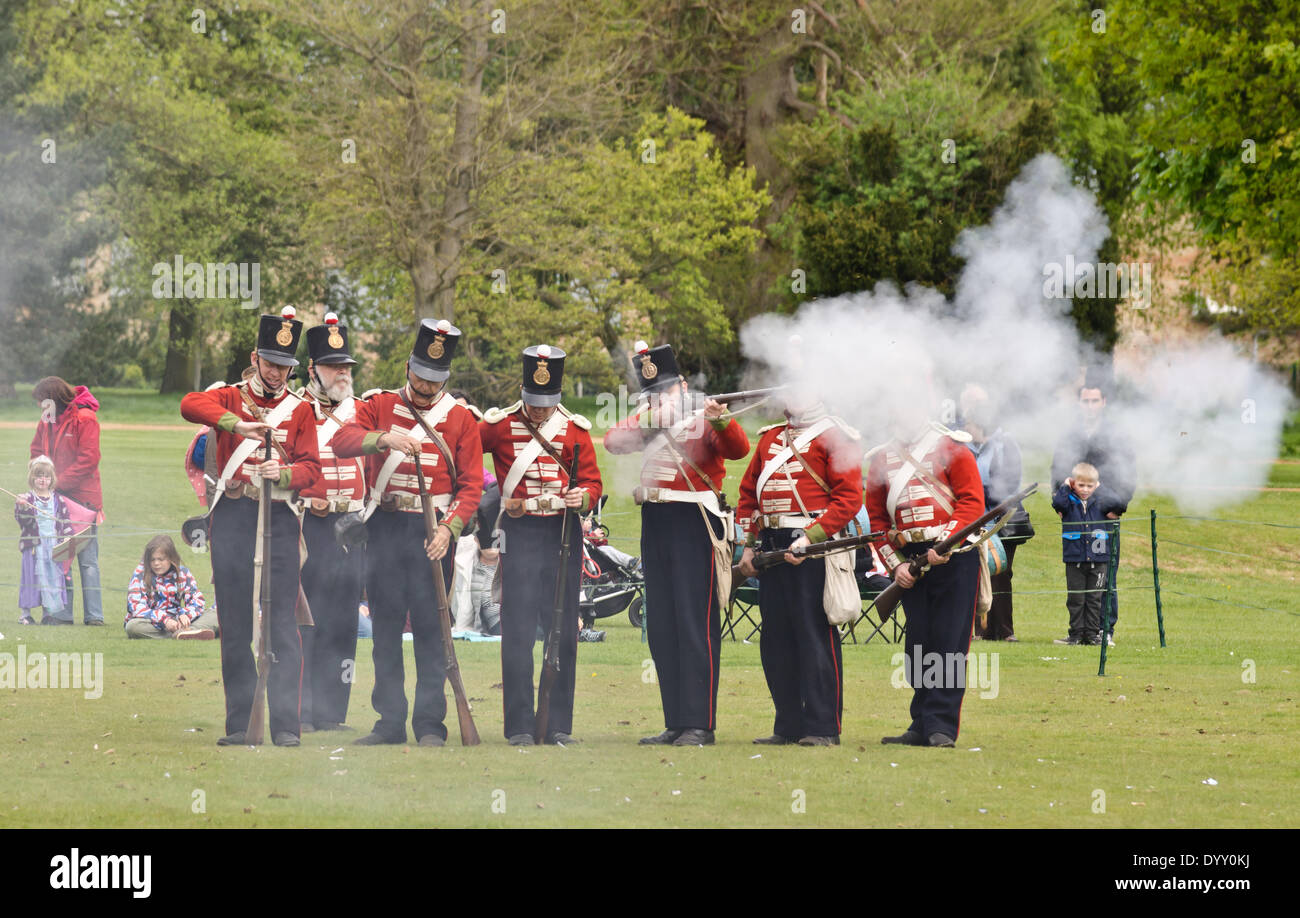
1204 419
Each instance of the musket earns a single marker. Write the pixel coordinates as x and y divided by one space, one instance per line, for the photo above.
551 652
256 731
468 732
727 398
762 560
892 594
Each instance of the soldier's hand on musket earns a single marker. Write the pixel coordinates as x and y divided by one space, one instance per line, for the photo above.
400 442
933 558
270 470
798 545
438 547
253 430
747 562
713 410
903 576
572 497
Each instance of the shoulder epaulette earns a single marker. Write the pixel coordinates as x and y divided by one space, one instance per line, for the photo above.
959 436
577 419
497 415
850 432
216 385
763 430
369 392
872 452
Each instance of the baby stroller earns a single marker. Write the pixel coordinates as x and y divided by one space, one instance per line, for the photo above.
608 585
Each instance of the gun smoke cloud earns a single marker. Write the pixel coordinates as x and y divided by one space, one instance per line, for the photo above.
1204 420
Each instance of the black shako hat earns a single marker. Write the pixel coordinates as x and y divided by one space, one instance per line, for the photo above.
277 337
328 343
656 367
435 344
543 375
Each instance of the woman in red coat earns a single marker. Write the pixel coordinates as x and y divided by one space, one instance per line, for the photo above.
68 433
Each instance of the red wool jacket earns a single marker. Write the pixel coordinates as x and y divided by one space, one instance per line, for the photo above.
505 438
705 444
383 412
948 461
72 441
836 458
221 408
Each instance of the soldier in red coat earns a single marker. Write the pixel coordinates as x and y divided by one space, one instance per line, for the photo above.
332 576
532 444
393 429
239 415
803 486
924 485
683 519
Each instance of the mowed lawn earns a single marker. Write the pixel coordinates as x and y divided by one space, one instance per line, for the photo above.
1200 733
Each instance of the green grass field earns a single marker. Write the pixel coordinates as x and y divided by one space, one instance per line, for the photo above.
1057 746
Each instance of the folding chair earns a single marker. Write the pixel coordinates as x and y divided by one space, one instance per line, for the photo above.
870 589
743 604
742 607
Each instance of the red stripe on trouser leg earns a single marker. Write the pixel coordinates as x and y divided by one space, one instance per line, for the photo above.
708 625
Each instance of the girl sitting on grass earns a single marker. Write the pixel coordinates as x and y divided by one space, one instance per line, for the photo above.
42 521
163 600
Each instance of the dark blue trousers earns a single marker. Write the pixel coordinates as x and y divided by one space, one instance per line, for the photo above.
940 611
234 529
800 649
332 580
683 626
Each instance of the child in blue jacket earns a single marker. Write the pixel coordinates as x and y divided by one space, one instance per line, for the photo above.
1082 504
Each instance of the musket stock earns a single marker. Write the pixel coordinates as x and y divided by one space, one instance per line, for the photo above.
256 731
468 732
551 651
889 598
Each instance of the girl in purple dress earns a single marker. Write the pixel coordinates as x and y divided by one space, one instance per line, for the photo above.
42 521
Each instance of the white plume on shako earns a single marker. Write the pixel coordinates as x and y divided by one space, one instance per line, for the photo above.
1204 419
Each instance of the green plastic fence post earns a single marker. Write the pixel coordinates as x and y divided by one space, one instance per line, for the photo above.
1155 576
1112 568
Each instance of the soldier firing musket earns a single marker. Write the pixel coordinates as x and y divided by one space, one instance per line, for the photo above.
686 539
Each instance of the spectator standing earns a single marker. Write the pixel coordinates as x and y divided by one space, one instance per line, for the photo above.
998 457
1096 441
68 433
42 520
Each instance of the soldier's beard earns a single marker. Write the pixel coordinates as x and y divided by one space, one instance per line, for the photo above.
336 393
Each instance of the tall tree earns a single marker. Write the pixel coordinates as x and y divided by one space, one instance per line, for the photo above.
203 175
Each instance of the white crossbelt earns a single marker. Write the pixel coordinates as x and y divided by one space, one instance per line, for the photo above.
245 449
784 456
436 414
532 449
